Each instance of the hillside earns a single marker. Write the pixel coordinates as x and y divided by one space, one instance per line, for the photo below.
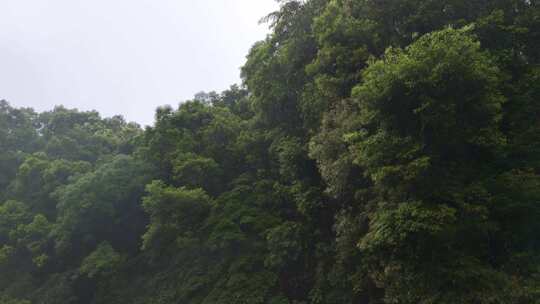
376 152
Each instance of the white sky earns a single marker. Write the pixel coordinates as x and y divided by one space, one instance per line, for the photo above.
123 56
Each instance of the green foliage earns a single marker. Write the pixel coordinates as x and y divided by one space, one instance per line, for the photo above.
175 213
6 300
376 152
101 262
102 205
195 171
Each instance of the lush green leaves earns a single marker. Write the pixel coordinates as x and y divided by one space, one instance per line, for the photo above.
376 152
175 213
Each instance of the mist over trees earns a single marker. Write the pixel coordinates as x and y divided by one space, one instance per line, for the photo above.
376 152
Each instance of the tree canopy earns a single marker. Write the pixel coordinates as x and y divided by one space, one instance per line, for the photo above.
375 152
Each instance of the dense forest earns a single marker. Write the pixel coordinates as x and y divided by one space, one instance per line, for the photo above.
377 151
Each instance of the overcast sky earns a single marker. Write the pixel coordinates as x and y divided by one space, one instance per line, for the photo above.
123 56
